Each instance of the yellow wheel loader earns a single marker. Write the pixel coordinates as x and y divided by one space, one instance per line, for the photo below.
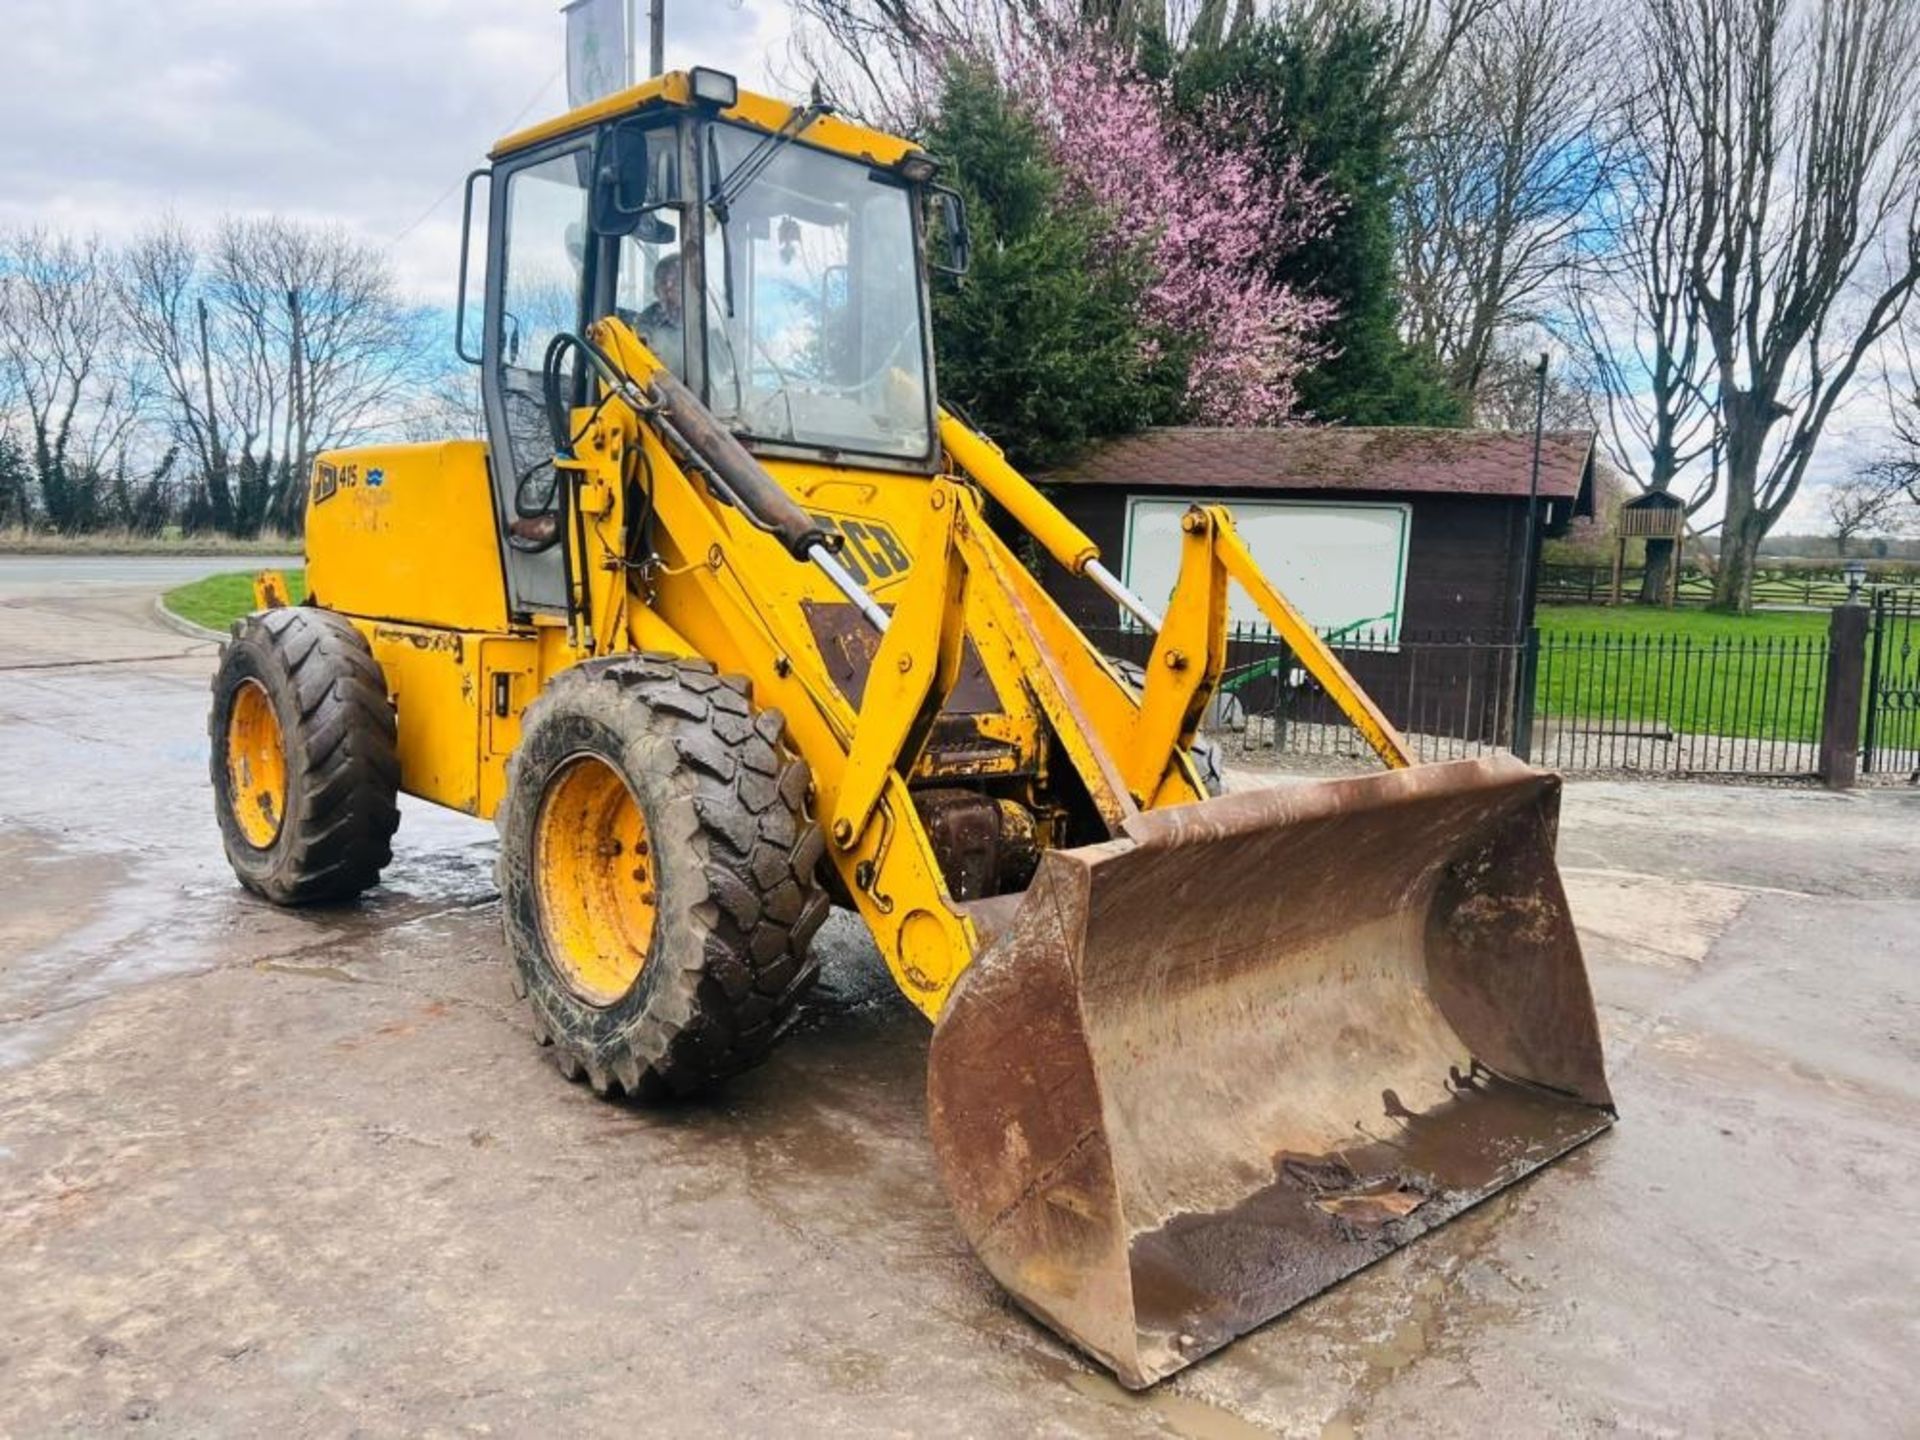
715 627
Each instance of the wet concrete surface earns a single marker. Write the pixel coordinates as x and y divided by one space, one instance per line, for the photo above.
307 1173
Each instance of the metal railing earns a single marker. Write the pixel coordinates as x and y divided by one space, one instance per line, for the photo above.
1891 743
1595 703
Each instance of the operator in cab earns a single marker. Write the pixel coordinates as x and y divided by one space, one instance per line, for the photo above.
662 324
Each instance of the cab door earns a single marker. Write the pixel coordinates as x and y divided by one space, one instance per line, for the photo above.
537 282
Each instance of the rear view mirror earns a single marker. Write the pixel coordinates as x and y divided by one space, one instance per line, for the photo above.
952 242
636 171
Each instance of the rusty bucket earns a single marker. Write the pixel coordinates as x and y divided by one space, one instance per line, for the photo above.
1208 1069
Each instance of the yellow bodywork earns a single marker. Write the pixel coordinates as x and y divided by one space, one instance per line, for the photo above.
256 765
413 560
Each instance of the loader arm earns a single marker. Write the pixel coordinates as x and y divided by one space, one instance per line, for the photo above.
1129 753
1189 655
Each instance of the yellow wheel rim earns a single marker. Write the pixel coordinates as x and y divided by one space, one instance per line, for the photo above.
593 876
256 765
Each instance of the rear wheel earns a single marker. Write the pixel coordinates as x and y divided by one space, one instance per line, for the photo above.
657 875
304 760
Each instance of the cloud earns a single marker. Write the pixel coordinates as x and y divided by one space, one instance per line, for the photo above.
365 113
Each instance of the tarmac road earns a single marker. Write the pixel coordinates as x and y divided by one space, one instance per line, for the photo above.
308 1174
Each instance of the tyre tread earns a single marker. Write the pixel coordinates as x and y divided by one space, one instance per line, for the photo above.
719 1011
343 757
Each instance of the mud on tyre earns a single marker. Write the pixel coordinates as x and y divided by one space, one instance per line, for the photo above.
304 761
657 874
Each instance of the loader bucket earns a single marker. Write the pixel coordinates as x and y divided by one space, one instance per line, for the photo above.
1204 1071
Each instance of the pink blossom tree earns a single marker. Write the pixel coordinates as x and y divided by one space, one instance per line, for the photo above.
1211 216
1209 211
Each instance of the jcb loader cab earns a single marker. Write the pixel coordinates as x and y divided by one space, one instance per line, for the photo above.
713 626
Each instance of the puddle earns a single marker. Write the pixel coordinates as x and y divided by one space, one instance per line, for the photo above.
1182 1414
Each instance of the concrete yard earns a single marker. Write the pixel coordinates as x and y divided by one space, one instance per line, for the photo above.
307 1174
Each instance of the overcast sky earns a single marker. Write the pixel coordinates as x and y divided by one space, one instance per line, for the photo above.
367 113
364 112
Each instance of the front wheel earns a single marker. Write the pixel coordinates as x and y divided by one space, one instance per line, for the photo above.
657 875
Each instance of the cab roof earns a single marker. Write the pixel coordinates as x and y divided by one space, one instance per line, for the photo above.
674 90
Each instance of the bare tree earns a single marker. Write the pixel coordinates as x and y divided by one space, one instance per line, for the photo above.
76 390
272 341
1509 392
165 309
1793 124
1632 318
1870 501
879 56
1510 157
444 406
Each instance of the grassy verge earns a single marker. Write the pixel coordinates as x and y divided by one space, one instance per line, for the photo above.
217 601
17 541
1759 676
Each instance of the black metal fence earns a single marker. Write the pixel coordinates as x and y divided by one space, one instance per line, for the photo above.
1891 743
1601 702
1746 705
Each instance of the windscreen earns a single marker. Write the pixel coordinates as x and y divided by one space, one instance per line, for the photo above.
815 333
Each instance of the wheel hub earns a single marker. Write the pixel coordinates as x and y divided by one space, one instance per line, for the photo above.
256 765
594 880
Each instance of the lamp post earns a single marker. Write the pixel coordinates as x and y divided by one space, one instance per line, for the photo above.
1856 573
1520 615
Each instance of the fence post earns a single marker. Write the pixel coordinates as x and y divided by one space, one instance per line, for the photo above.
1870 744
1846 686
1523 686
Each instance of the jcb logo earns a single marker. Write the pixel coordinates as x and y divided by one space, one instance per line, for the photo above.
330 479
872 551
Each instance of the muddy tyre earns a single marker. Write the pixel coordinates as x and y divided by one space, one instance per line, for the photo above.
304 761
657 875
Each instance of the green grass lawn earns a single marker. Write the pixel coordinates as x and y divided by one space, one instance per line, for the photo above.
1760 675
217 601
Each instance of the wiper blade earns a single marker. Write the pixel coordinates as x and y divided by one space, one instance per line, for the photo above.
730 186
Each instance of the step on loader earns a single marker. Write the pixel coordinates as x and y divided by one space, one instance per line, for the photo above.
715 628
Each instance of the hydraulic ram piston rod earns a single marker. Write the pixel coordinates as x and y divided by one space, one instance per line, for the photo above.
1041 518
844 582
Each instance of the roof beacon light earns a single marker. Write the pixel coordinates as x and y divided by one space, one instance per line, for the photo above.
714 87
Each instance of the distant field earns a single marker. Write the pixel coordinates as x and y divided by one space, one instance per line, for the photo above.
1780 587
217 601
